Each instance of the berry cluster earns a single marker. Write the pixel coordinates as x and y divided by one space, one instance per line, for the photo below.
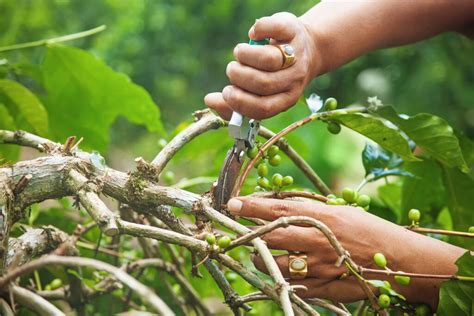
350 197
272 158
222 243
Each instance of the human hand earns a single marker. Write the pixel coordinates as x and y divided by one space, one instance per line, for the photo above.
362 235
260 88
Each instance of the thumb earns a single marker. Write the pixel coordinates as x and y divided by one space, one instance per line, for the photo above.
280 27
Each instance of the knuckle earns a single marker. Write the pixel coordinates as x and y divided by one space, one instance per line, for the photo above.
265 85
281 209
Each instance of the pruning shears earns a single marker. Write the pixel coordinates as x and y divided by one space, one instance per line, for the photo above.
244 131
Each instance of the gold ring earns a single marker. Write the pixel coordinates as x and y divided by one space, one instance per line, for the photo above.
298 266
288 54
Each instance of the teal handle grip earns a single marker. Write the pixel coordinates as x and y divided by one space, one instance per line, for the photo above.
264 41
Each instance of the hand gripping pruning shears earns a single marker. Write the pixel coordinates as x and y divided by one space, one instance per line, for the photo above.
244 130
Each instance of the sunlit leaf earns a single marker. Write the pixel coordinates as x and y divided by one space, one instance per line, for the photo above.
7 152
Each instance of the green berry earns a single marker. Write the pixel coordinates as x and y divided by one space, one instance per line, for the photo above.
334 128
275 160
263 182
330 104
380 260
231 276
341 201
48 287
211 239
331 196
224 242
414 215
252 152
360 208
349 195
384 301
363 200
169 177
402 280
162 142
262 169
332 202
287 180
273 150
422 310
277 179
56 283
258 189
387 284
471 230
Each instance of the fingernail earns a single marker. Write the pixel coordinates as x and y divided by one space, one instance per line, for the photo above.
234 206
226 92
252 32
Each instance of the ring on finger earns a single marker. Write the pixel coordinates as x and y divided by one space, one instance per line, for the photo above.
298 266
288 54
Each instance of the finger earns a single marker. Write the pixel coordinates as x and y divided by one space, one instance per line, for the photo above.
291 238
271 209
258 107
216 102
345 291
280 26
257 81
267 58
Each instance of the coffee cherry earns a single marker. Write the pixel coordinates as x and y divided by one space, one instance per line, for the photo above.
341 201
231 276
414 215
277 179
275 160
349 195
262 169
384 301
360 208
252 152
56 283
334 128
330 104
263 182
380 260
402 280
471 230
422 310
168 177
331 196
258 189
224 242
273 150
211 239
48 287
363 200
287 180
332 202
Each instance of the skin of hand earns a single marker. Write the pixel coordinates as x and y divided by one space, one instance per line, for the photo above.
360 233
327 36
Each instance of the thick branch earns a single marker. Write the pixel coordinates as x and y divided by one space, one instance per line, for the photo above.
147 295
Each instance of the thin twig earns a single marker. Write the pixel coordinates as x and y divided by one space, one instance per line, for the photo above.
35 302
322 303
439 231
363 270
291 194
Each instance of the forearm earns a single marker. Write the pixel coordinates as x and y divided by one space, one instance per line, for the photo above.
344 30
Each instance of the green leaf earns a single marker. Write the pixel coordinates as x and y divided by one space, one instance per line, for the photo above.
457 297
28 112
85 96
431 133
7 152
390 194
460 189
424 191
380 131
382 284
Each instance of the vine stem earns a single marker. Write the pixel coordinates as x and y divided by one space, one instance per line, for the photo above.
54 40
440 231
363 270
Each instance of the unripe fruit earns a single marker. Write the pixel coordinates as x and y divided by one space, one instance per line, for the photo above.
341 201
275 160
331 196
287 180
277 179
56 283
48 287
211 239
380 260
330 104
402 280
422 310
263 182
332 202
363 200
262 169
168 177
252 152
258 189
273 150
334 128
471 230
384 301
224 242
231 276
387 284
349 195
414 215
